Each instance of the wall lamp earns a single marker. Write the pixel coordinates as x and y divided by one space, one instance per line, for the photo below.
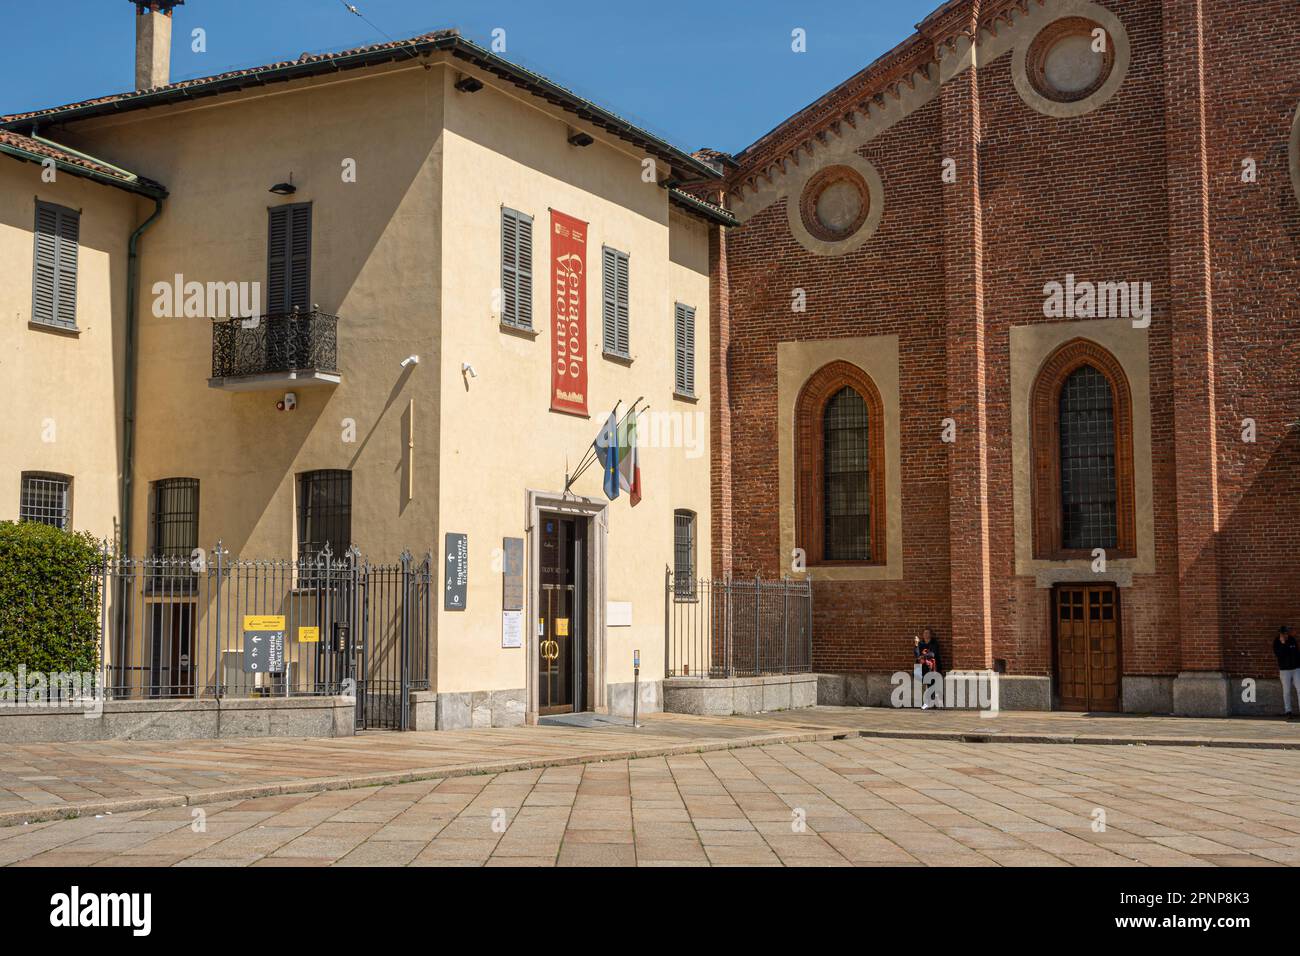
284 189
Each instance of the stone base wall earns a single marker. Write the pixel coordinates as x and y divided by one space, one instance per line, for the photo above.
463 710
182 720
739 695
618 698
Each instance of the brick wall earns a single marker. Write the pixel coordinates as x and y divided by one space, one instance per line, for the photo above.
1141 189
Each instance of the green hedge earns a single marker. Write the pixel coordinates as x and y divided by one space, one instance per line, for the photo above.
49 609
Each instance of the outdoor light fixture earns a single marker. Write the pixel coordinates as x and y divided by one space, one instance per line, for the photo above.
468 84
467 369
284 189
410 360
580 139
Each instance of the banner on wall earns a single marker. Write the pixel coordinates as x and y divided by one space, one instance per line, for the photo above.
568 314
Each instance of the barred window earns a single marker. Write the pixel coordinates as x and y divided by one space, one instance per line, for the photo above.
847 476
1087 448
174 521
46 499
684 553
324 512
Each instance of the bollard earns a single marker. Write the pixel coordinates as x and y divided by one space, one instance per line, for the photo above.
636 686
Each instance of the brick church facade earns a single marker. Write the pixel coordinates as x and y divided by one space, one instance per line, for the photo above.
1006 346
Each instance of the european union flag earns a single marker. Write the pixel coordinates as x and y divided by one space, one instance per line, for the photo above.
607 454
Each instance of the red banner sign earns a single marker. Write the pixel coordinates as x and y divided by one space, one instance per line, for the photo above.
568 314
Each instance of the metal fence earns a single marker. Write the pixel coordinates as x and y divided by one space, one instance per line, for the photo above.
736 628
173 628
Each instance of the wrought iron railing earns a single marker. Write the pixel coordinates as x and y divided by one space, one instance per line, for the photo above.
173 628
295 341
736 628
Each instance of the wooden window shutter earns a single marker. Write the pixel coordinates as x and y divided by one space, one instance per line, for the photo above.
288 258
614 309
54 278
516 269
684 349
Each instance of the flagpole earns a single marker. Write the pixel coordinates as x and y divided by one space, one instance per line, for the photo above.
570 479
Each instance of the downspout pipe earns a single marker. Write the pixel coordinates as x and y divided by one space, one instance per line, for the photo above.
132 363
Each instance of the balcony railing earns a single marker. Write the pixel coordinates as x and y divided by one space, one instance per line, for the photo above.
286 348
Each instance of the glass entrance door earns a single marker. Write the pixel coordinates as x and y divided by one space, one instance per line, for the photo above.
561 663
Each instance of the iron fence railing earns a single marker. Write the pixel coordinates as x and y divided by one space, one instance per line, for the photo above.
173 628
281 342
736 628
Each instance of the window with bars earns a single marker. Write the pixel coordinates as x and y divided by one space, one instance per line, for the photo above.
288 258
847 478
46 499
516 269
54 279
1087 449
324 513
614 299
684 350
174 518
684 553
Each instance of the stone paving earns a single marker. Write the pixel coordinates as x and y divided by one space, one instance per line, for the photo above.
43 781
836 802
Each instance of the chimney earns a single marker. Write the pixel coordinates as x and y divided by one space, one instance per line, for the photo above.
153 42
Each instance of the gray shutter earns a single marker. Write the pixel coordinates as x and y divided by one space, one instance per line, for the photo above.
683 349
608 310
288 258
624 347
516 269
614 311
277 260
300 258
54 273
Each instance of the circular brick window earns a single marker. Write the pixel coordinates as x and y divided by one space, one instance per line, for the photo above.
835 203
1064 62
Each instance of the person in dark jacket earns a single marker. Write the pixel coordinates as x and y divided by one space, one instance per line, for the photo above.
1288 666
926 652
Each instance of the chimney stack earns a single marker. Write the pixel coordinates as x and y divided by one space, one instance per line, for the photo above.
153 42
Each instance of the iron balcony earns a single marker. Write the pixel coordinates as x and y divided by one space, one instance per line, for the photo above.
279 350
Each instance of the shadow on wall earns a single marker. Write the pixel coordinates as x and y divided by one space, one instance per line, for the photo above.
1259 562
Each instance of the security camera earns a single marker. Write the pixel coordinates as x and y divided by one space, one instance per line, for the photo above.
410 360
467 369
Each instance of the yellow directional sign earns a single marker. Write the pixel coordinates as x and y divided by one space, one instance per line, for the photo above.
308 635
264 622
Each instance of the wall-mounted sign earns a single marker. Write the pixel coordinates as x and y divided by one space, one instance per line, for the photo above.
309 635
618 614
512 574
512 628
264 643
457 571
568 314
561 627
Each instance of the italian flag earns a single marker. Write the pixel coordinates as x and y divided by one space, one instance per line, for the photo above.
629 460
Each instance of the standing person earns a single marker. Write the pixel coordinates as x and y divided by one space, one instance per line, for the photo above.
1288 666
927 658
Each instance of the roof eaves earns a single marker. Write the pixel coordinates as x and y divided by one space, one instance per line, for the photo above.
702 207
106 174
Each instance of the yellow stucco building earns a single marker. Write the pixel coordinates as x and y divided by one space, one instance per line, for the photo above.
351 322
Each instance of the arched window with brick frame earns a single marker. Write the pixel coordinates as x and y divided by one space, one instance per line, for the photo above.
840 468
1082 453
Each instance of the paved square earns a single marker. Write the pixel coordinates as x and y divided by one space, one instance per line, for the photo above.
849 802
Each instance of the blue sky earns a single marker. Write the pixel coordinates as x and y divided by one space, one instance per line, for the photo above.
717 73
